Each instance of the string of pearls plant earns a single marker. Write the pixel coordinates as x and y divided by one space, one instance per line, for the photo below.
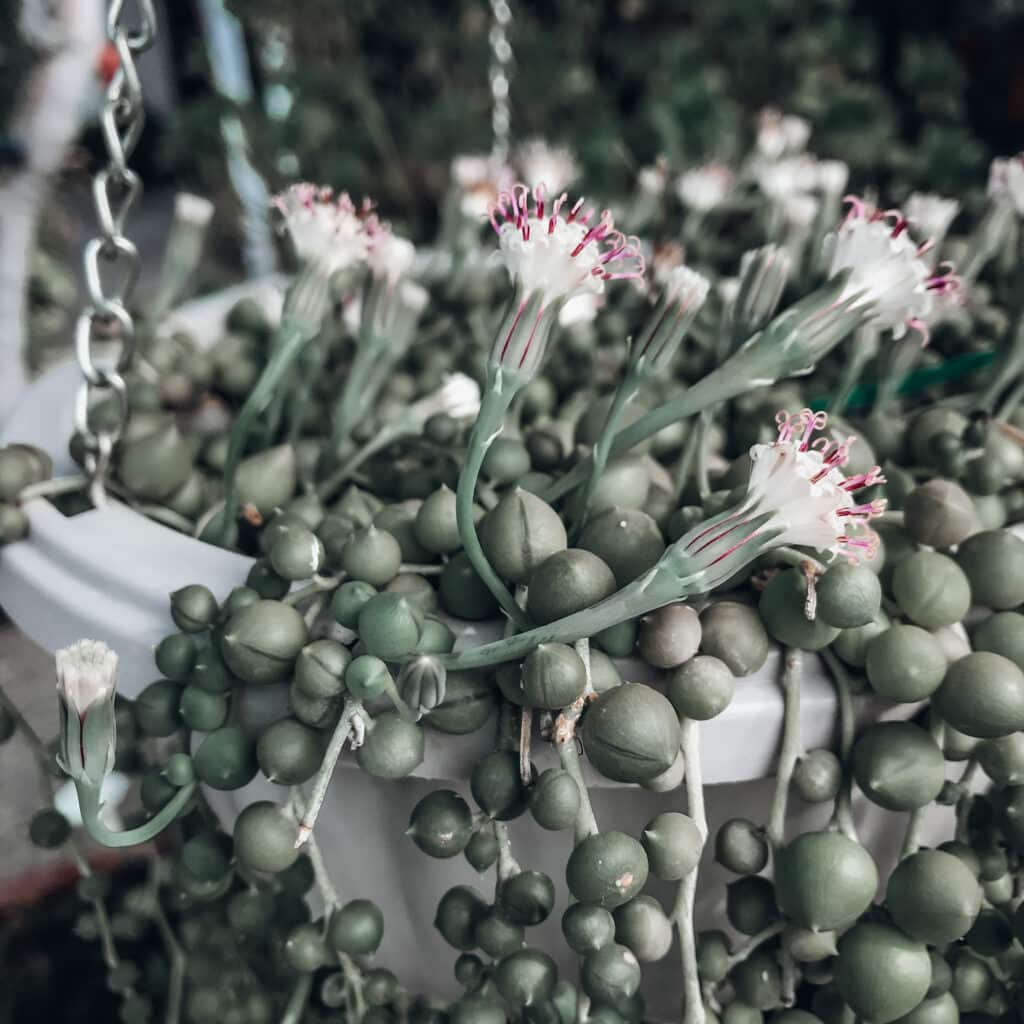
575 433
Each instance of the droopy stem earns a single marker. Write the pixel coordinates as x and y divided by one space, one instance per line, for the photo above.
792 666
682 912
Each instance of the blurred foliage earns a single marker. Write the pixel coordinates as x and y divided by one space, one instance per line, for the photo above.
377 97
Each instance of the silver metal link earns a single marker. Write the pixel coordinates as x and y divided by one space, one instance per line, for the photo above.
104 334
501 70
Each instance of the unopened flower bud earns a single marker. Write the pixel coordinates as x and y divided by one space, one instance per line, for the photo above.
421 684
763 275
86 685
682 299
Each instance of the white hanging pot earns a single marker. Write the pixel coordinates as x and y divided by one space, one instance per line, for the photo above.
107 574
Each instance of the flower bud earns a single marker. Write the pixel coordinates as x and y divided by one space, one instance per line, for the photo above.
421 684
86 684
763 275
681 300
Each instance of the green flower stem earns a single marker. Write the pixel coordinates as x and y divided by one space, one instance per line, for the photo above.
331 900
175 954
346 411
682 912
388 434
295 1009
1010 403
966 798
903 354
791 746
352 710
569 755
53 487
842 815
703 446
915 820
569 758
1008 366
684 464
301 390
718 386
42 758
624 394
293 335
488 427
320 585
748 947
859 353
89 802
659 587
794 341
507 867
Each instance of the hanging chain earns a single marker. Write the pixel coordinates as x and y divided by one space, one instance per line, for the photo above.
106 323
501 69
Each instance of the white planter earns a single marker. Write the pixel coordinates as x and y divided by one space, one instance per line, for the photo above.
107 574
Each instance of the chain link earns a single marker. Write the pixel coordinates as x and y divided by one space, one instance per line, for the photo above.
105 331
501 70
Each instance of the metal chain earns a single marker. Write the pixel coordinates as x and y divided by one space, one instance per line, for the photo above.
501 70
106 323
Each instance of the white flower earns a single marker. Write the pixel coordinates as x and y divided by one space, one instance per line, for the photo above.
832 177
480 179
664 260
326 230
391 257
802 483
931 214
86 674
580 309
686 289
797 495
651 180
552 166
86 687
682 298
458 397
1006 181
780 180
192 209
728 289
703 188
560 253
779 134
887 268
800 210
